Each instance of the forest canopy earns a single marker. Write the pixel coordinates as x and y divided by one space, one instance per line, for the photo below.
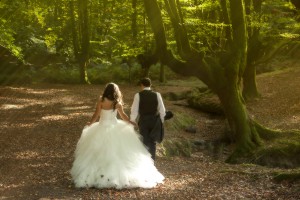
73 41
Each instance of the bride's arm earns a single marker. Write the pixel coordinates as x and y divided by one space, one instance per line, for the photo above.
96 113
123 114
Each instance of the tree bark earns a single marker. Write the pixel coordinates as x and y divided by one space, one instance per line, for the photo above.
243 130
134 20
74 31
162 77
224 80
83 18
226 20
296 3
174 10
250 90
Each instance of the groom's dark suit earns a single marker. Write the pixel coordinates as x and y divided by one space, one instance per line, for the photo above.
150 118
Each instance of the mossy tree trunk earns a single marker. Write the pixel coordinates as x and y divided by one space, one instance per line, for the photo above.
243 129
223 77
250 90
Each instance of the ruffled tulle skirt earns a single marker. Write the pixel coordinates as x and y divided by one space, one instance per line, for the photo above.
111 155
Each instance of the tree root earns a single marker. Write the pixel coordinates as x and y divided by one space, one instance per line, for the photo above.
293 176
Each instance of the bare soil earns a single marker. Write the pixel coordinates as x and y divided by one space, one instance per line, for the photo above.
41 124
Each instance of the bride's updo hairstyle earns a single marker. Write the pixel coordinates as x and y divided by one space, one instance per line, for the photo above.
112 93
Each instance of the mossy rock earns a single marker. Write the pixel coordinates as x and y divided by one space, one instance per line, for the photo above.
205 101
176 96
177 147
287 176
282 153
180 122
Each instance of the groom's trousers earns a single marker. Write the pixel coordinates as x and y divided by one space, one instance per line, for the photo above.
146 124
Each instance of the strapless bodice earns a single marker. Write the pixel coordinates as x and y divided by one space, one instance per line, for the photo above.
108 115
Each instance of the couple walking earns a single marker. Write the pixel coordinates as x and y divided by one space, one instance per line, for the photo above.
110 154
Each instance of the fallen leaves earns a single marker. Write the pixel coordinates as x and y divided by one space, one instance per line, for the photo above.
40 126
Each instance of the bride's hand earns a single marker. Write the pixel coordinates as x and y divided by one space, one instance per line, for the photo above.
133 123
88 124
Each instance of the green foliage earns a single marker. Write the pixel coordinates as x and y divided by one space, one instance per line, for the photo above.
119 73
23 23
282 150
19 75
155 71
287 176
57 74
177 147
179 122
7 39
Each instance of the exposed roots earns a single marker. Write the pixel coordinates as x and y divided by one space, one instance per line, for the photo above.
273 148
271 134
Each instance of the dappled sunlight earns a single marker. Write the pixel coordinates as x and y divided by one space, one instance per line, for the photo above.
19 95
40 165
27 125
79 114
182 182
295 119
71 108
26 155
36 91
55 117
12 106
69 116
10 186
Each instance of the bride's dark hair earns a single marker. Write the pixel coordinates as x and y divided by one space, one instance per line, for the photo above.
112 93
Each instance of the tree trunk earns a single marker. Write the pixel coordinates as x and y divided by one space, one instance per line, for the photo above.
174 10
162 77
222 79
226 20
296 3
250 90
74 31
134 20
243 130
85 39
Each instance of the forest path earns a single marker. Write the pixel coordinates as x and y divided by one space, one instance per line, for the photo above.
41 124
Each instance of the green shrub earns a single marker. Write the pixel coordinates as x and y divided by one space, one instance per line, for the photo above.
17 75
283 152
177 147
179 122
105 74
154 72
51 74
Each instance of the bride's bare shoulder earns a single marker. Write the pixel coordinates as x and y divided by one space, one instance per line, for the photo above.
118 105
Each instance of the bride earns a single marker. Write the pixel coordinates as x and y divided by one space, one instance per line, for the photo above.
109 153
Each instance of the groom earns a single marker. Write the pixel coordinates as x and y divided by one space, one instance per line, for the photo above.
149 111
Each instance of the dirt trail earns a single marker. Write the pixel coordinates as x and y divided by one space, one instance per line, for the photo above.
41 124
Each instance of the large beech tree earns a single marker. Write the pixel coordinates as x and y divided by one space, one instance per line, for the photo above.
221 73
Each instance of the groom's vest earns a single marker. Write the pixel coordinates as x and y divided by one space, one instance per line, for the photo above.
148 103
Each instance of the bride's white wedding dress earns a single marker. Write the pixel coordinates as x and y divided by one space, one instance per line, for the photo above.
110 154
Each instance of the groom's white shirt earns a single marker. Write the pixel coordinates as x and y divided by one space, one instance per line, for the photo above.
135 106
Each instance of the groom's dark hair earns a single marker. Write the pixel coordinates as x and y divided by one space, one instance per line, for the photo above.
145 82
